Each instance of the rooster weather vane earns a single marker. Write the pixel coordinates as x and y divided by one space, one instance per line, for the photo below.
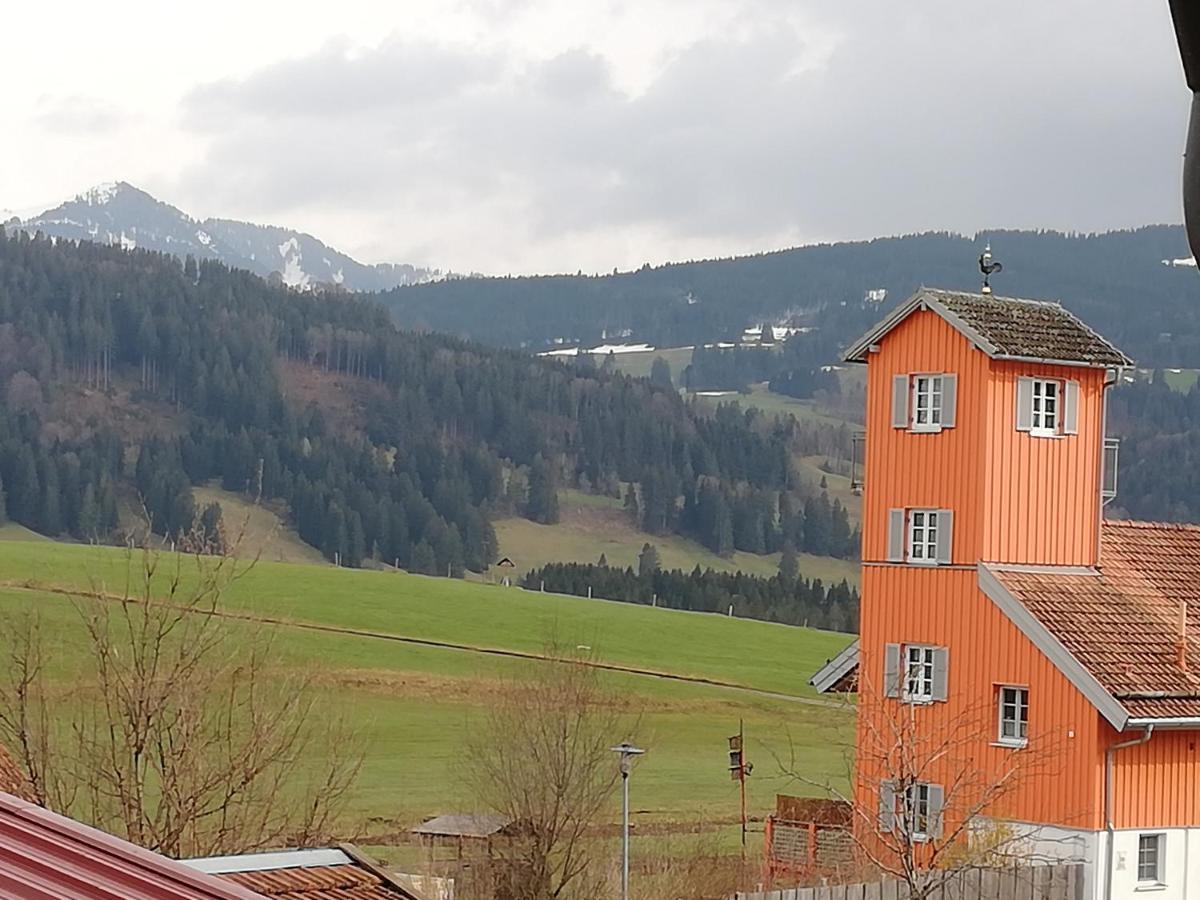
988 267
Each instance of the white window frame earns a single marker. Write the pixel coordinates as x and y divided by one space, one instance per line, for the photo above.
1160 851
1018 702
917 656
927 532
915 800
927 387
1040 398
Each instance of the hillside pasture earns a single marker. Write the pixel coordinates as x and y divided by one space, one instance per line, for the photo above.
413 661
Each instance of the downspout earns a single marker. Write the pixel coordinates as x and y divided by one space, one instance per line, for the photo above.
1109 753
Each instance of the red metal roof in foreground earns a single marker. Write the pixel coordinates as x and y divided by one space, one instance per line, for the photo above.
45 856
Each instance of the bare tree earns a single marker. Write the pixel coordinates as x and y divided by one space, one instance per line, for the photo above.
541 758
928 802
179 733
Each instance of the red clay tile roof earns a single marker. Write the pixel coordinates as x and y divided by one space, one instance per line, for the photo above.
49 856
13 779
1122 624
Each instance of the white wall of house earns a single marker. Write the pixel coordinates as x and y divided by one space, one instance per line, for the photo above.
1180 859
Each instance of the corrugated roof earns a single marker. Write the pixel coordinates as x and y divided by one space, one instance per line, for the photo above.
1005 328
13 779
476 826
51 857
1122 624
333 873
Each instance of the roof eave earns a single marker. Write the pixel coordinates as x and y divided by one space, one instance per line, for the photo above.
829 675
1077 363
1072 669
1178 723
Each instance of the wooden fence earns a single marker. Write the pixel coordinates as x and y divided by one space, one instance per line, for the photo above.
1063 882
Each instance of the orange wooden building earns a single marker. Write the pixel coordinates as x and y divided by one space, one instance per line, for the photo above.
1027 671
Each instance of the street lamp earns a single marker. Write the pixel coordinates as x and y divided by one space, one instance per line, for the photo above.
628 752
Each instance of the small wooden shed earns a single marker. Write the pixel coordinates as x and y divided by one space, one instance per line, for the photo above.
469 836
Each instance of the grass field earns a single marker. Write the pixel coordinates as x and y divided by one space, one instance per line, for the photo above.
639 364
778 404
414 703
590 526
262 529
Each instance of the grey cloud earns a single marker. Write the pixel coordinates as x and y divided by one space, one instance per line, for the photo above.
942 114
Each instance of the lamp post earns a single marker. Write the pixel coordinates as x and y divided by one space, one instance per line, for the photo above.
627 752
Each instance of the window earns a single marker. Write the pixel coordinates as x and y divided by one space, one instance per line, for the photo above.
1150 858
927 403
1045 406
1014 716
920 536
917 809
918 673
913 808
924 401
923 535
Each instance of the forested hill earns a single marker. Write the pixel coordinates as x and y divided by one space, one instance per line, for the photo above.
128 374
1116 281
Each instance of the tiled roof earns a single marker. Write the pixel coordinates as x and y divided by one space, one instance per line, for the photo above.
1006 328
13 779
335 873
1122 623
51 857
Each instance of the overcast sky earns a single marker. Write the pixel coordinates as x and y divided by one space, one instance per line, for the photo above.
553 135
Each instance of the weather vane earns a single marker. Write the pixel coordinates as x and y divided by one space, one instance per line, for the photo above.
988 267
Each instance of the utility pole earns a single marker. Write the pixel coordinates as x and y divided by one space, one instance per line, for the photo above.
739 770
628 752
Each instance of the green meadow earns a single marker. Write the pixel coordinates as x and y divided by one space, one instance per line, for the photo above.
416 673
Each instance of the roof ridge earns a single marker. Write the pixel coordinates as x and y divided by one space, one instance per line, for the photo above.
1151 525
1057 304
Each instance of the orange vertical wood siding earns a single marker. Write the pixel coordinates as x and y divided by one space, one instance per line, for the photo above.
1058 781
1154 784
1041 496
939 470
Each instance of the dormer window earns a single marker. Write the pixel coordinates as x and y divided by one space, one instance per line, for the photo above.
924 401
1047 407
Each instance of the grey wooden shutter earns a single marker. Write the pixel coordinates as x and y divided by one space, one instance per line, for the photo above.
941 673
887 806
1070 410
895 545
1024 404
937 803
949 399
945 536
900 401
891 671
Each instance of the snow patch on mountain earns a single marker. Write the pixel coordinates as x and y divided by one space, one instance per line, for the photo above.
119 213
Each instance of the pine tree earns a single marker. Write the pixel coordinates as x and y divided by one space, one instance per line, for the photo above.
542 505
603 561
3 504
660 374
648 562
89 515
424 562
789 565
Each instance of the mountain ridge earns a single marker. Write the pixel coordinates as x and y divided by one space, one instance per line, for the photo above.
121 214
